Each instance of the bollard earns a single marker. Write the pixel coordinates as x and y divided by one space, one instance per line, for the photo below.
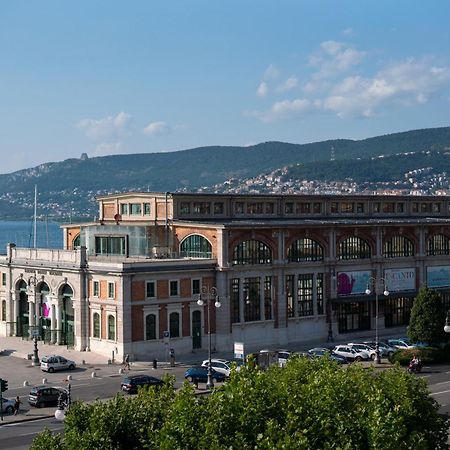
44 380
155 363
94 374
69 377
25 383
83 362
120 371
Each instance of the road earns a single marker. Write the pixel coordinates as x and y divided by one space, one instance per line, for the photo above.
19 436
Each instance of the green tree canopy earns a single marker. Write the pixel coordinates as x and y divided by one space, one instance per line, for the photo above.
309 404
427 318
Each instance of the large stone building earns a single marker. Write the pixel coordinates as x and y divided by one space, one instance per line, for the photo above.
287 269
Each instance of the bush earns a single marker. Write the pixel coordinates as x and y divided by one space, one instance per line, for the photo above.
428 355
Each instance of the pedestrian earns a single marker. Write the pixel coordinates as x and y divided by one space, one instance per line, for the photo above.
126 362
17 404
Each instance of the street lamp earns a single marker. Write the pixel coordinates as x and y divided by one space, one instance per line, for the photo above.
376 282
64 402
447 322
207 294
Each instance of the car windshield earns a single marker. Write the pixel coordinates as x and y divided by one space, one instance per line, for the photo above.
44 359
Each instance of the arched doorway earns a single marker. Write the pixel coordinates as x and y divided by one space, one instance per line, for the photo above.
67 320
45 323
23 312
196 329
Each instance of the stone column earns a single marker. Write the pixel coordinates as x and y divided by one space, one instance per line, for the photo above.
53 323
15 312
58 325
31 310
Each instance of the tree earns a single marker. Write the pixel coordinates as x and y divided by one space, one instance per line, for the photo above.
309 404
427 318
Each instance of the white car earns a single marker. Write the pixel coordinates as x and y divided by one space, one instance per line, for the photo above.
8 405
52 363
364 348
221 365
350 353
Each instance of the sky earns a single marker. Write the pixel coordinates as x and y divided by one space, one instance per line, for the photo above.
116 77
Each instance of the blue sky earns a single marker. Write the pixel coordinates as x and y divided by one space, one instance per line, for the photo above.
110 77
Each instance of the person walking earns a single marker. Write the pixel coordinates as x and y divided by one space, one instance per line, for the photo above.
17 404
126 362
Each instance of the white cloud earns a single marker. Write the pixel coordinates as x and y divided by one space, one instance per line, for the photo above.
107 128
262 89
157 128
285 109
347 32
271 73
107 148
288 85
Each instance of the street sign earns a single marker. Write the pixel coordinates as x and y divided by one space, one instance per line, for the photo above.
166 336
239 350
34 332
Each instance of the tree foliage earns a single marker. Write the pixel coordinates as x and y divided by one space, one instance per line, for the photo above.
427 318
309 404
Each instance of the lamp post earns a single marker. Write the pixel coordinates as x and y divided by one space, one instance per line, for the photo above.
208 294
376 282
447 322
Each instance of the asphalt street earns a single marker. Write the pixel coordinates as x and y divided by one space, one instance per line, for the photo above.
19 435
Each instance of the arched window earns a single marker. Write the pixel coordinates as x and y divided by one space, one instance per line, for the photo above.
398 247
96 325
174 325
252 252
22 286
439 244
354 248
196 246
305 250
150 327
111 328
76 242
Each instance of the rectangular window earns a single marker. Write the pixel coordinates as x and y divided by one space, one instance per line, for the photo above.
124 209
185 208
252 304
436 207
195 287
239 207
415 207
304 208
136 209
376 207
3 279
305 291
347 207
110 245
218 208
425 207
255 207
147 209
173 288
319 293
95 288
334 207
289 208
400 207
360 208
111 290
290 295
317 208
267 298
388 207
202 208
269 208
234 298
150 289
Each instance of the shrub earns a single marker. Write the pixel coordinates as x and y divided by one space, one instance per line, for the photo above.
428 355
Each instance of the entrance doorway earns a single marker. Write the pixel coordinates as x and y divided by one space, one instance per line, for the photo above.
196 329
67 325
45 323
23 317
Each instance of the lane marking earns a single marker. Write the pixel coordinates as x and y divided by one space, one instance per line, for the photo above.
442 392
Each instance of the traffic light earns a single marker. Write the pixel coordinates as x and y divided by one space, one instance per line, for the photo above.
3 385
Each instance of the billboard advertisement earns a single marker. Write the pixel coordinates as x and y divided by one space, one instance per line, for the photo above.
353 283
438 276
400 279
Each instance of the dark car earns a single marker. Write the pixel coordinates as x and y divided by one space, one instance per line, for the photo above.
321 351
132 383
199 374
41 396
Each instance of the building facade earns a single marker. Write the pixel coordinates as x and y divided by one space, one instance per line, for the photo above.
287 269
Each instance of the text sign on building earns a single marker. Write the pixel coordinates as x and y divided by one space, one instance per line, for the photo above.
239 350
400 279
438 276
352 283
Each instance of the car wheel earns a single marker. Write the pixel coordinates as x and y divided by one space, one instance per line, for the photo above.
372 357
9 409
358 359
71 367
190 379
51 370
215 380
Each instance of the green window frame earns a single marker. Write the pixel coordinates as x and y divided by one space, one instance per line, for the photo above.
96 325
196 246
111 328
252 252
150 327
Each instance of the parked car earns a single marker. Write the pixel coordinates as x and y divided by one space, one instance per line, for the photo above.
283 356
364 348
41 396
131 384
385 349
318 352
54 362
222 365
7 405
199 374
400 343
351 354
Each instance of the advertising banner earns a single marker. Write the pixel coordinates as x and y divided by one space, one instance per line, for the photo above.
438 276
400 279
352 283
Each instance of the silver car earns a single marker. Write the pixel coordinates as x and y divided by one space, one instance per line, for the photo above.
53 362
8 405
